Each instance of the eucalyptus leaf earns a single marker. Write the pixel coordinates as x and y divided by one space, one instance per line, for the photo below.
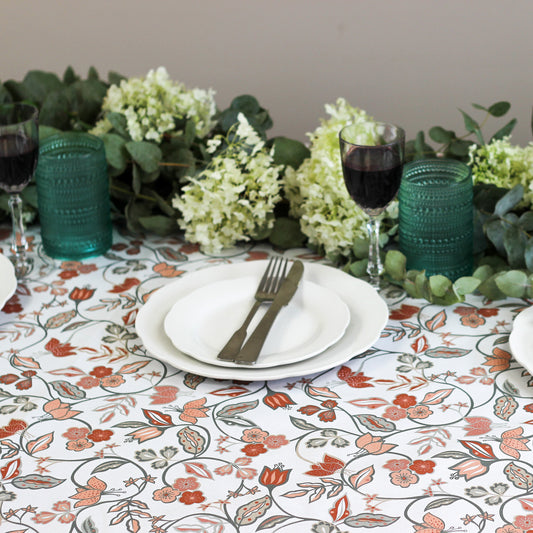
505 131
528 254
5 96
514 241
495 231
159 224
483 272
289 152
466 285
512 283
69 76
499 109
286 233
460 147
360 247
119 123
358 268
40 84
509 200
490 289
526 221
439 285
146 154
115 150
395 263
55 111
470 124
440 135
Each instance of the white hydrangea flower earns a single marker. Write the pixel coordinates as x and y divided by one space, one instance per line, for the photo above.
152 104
504 165
316 191
234 197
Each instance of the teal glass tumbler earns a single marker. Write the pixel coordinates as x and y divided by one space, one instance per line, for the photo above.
436 217
73 196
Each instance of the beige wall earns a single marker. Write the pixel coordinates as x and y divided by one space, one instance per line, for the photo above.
413 62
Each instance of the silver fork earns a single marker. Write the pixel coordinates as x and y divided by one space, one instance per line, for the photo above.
267 289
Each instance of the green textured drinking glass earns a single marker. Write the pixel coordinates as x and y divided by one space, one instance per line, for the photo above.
436 217
73 196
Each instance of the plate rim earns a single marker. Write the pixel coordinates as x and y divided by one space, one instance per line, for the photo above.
7 289
514 336
322 362
341 310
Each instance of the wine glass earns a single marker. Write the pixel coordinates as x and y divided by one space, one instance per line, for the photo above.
372 174
19 148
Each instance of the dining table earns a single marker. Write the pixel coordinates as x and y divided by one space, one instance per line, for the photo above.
105 425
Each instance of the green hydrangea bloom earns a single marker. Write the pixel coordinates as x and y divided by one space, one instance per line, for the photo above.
233 198
316 191
504 165
152 104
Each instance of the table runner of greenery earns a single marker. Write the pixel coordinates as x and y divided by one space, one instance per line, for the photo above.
176 161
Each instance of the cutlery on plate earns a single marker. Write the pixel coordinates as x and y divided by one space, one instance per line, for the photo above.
267 289
252 348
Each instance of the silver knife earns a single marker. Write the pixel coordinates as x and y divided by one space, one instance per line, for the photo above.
252 348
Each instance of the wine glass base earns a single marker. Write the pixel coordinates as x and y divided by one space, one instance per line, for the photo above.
22 268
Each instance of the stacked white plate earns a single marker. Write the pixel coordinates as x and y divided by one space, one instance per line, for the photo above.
520 339
8 281
331 318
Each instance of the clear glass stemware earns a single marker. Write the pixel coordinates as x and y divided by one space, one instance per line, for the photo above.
19 148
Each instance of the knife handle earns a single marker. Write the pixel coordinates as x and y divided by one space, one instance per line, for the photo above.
232 347
252 348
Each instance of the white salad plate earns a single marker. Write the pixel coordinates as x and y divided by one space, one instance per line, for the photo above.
8 281
200 323
521 339
368 317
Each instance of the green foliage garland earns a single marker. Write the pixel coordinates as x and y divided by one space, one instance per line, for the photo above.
146 175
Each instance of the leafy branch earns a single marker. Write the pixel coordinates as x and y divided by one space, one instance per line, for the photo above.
453 146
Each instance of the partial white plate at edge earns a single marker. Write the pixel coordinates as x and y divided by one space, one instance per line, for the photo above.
8 284
368 312
201 322
520 339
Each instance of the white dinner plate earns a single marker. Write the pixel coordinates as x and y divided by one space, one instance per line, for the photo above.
520 339
200 323
368 317
8 281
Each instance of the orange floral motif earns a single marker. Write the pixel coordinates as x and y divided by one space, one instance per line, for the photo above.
167 271
512 441
79 295
59 410
403 478
419 411
60 349
470 468
146 433
373 445
432 524
91 493
14 426
194 410
273 477
165 495
277 399
498 361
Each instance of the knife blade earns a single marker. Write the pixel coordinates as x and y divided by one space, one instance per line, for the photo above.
252 348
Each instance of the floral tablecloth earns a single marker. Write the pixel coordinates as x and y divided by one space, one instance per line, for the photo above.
429 431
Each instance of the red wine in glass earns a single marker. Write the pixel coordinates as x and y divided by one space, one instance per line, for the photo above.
19 146
372 175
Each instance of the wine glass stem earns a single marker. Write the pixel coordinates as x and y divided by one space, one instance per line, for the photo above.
19 245
375 266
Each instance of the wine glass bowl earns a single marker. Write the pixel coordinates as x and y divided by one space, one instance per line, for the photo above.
19 148
372 175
